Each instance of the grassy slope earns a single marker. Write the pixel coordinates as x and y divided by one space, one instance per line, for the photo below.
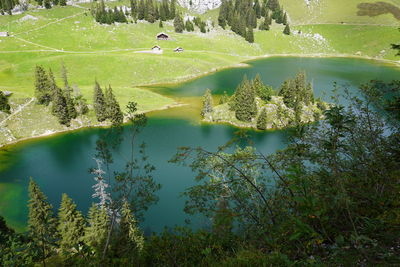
108 53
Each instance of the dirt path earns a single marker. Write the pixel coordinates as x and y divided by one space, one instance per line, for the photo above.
19 109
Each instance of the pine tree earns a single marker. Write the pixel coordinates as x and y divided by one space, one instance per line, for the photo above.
41 223
178 23
287 30
42 86
114 112
99 103
63 2
134 9
141 10
264 25
4 106
250 35
262 120
71 225
59 108
244 101
284 19
160 24
257 9
207 103
97 229
72 113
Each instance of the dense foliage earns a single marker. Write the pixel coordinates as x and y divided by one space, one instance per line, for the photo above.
6 6
64 105
242 15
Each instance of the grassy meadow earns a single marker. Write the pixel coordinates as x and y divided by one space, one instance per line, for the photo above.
112 54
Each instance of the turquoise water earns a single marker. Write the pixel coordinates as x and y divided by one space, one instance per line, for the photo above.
60 163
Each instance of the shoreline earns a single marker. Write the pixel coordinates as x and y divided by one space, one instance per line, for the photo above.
184 79
84 127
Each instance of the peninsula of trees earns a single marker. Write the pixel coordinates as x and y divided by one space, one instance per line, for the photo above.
256 105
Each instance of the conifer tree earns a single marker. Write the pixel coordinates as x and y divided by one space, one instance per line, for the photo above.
284 19
42 86
224 98
59 107
262 120
172 10
99 103
207 103
129 232
114 112
141 10
178 23
257 9
71 225
41 223
264 25
63 2
223 220
160 24
4 106
244 101
97 229
134 9
47 4
69 100
287 30
250 35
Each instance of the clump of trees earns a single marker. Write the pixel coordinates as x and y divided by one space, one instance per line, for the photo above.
65 105
105 15
6 6
4 105
242 15
106 106
49 3
207 104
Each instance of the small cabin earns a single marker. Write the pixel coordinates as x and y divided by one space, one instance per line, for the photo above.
178 49
4 34
156 48
162 36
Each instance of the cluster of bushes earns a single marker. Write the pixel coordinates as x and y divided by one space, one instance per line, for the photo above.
242 16
65 106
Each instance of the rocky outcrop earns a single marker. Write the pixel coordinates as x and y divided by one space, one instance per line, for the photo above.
200 6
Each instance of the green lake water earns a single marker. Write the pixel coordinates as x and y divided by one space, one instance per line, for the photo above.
60 163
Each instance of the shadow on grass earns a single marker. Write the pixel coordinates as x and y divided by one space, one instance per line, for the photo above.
378 8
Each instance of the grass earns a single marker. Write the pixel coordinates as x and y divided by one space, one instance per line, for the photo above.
108 53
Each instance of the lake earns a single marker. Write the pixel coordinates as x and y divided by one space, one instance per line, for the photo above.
60 163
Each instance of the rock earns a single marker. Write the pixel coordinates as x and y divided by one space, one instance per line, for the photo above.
28 17
200 6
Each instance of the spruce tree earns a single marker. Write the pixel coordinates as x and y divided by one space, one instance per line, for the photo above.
4 106
129 233
114 112
72 113
224 98
41 223
287 29
59 108
250 35
99 103
141 10
207 104
71 226
97 229
244 101
63 2
42 86
262 120
172 9
284 19
178 23
160 24
47 4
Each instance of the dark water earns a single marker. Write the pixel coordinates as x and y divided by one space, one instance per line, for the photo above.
60 163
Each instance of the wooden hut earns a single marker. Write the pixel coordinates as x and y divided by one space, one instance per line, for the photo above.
178 49
162 36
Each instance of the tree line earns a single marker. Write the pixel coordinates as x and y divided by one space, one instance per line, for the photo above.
49 3
6 6
67 104
242 15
